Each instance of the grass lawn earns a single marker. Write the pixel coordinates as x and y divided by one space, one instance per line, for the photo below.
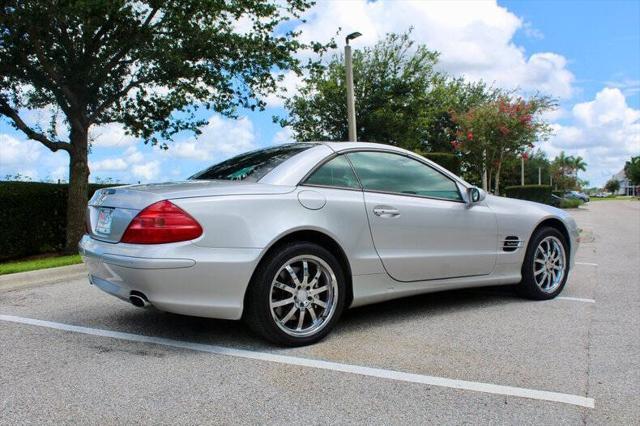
38 263
617 197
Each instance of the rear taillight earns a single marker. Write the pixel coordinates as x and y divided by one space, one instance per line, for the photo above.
161 222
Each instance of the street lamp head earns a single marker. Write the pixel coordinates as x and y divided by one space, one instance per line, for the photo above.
352 36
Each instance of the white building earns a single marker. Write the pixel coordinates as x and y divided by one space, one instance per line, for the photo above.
626 188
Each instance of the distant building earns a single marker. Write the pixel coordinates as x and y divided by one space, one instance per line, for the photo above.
626 188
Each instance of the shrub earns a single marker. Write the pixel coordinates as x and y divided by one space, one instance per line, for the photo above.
447 160
537 193
570 203
33 217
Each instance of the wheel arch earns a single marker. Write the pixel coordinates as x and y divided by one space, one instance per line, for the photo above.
554 222
316 237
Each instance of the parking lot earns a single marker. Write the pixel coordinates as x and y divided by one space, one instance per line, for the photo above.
71 354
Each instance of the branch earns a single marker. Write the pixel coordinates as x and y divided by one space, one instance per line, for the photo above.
5 109
114 97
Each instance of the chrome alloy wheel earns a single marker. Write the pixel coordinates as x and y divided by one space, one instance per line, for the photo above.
549 264
303 296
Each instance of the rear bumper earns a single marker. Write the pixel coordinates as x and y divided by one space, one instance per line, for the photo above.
180 278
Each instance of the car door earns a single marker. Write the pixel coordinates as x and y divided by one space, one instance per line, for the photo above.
421 227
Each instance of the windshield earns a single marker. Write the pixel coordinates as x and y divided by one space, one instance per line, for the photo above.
252 166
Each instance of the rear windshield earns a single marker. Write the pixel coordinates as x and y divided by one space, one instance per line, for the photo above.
252 166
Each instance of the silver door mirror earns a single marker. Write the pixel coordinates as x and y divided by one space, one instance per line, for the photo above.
475 195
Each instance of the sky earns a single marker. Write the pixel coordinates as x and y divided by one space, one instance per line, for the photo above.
586 54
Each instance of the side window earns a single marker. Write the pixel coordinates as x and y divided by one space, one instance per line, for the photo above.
387 172
335 172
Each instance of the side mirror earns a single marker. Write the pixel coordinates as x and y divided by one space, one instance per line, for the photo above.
475 195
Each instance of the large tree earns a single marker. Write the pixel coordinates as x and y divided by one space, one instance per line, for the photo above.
146 64
492 133
400 98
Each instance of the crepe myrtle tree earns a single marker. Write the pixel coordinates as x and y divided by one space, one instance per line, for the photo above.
491 133
146 64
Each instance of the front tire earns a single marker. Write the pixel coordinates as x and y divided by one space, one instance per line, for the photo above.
296 296
546 265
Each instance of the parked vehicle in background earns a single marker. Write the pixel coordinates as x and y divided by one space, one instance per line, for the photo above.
601 195
577 195
287 237
555 200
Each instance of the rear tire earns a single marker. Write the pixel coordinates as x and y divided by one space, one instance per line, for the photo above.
296 296
546 265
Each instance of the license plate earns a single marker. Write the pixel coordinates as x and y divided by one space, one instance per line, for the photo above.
104 221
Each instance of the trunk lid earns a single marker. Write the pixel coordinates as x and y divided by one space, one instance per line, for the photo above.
110 210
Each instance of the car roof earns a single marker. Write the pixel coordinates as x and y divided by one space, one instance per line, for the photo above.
345 146
291 171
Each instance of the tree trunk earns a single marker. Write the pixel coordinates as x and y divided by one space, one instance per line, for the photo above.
78 189
497 190
484 171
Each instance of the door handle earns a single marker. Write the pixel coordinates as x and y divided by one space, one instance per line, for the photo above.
386 211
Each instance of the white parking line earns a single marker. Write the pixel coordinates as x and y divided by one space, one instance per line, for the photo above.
576 299
312 363
586 263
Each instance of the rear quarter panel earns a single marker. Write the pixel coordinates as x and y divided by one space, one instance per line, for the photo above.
259 221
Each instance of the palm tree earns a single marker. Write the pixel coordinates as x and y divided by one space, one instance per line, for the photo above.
578 164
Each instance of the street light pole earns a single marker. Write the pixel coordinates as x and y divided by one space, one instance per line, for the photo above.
351 102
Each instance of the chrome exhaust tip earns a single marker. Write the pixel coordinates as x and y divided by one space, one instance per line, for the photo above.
138 301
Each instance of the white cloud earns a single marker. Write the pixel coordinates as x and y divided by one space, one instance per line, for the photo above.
286 88
284 135
605 131
147 171
110 135
475 38
15 151
108 164
221 138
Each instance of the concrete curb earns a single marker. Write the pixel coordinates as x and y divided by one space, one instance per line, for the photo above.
42 276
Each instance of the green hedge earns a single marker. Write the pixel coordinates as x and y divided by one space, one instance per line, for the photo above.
447 160
570 203
33 217
537 193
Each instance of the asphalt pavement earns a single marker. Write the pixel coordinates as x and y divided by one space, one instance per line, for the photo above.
71 354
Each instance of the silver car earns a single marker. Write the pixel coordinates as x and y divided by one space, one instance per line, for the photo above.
288 237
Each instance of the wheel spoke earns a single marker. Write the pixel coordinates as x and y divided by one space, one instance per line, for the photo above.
284 287
320 303
312 312
301 319
544 279
318 290
284 302
305 272
539 272
289 315
539 261
293 275
314 281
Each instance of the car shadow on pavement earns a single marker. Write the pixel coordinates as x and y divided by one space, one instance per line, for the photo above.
152 322
429 305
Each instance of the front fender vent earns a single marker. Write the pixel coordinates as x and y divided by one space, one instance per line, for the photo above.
511 243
